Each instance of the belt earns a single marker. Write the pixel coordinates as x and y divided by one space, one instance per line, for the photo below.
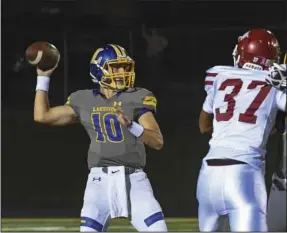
223 162
128 170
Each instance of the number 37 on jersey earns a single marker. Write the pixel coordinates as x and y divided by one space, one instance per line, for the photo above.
248 116
239 97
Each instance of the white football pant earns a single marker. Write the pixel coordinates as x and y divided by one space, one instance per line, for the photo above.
237 191
145 212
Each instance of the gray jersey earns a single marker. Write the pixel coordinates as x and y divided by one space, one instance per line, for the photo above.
111 143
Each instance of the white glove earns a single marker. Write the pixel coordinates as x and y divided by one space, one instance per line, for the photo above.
277 76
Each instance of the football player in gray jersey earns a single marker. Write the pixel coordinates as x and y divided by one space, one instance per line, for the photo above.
119 120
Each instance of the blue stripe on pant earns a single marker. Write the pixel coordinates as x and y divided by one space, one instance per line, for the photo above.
154 218
91 223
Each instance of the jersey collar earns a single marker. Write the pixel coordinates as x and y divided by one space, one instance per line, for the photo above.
97 92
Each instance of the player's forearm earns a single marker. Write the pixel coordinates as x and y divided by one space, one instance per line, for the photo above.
41 106
205 123
152 138
206 126
206 129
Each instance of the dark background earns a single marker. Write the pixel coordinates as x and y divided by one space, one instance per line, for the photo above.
44 169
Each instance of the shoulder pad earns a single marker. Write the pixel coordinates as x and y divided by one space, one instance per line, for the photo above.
81 92
139 90
213 71
77 94
131 90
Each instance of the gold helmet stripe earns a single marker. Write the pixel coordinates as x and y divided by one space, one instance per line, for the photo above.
117 50
123 51
96 54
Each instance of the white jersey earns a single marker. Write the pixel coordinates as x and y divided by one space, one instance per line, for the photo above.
244 109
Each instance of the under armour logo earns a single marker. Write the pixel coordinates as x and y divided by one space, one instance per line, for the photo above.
117 103
99 178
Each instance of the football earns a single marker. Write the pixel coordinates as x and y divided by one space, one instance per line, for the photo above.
42 54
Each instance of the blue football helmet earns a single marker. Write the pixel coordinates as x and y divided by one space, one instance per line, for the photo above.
104 60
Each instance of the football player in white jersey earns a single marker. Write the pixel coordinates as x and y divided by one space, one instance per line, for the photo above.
239 111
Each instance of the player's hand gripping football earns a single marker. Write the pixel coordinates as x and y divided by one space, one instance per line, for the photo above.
122 118
47 73
277 76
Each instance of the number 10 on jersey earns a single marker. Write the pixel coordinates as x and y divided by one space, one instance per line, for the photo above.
107 127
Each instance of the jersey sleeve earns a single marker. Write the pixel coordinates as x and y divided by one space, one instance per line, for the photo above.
281 100
146 102
209 79
208 103
72 101
209 89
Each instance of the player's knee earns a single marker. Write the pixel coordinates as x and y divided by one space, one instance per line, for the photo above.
156 222
89 224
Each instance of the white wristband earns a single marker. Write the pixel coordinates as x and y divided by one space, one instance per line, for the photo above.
136 129
43 83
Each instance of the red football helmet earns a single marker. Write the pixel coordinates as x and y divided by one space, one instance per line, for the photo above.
256 49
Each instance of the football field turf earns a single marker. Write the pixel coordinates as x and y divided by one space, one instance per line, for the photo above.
72 224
